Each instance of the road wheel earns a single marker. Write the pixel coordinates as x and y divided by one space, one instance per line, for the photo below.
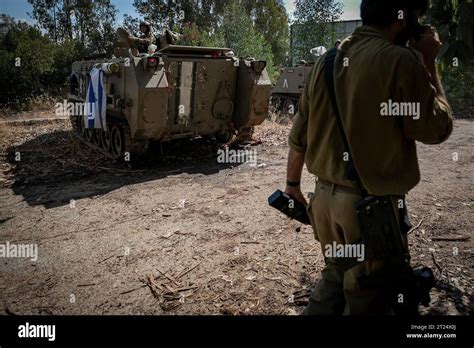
96 136
224 137
289 108
245 135
117 141
106 140
88 134
276 103
80 127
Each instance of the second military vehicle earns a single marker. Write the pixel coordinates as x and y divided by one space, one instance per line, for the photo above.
290 84
289 87
175 92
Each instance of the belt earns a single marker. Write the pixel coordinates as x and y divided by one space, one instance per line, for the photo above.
337 187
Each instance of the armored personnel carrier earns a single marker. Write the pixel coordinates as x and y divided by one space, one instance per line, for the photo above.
173 92
290 85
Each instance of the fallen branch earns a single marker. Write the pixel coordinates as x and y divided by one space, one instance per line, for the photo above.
303 295
189 270
167 276
153 285
417 226
440 269
451 239
132 290
170 289
107 258
193 287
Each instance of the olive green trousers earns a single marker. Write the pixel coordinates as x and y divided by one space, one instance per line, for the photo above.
338 292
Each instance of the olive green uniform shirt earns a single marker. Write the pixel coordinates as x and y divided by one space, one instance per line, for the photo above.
150 40
370 71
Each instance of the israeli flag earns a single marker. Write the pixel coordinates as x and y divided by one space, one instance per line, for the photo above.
96 101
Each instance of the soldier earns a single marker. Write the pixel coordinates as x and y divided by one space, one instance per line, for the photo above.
146 38
371 71
147 35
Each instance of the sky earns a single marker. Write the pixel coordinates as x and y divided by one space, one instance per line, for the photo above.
19 8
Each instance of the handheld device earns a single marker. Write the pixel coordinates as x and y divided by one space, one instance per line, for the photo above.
415 28
289 206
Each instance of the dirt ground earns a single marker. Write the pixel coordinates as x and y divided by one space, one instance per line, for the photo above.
186 235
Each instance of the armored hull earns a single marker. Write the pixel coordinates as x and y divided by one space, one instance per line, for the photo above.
289 87
177 92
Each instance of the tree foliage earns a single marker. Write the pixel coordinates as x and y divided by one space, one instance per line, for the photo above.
453 18
239 33
166 14
271 20
30 62
90 22
313 26
25 59
35 60
204 18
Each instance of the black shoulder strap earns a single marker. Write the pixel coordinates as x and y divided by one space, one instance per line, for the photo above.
351 171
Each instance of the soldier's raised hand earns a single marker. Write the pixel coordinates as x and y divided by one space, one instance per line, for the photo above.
429 45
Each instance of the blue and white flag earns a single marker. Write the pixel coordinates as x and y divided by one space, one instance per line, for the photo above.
96 101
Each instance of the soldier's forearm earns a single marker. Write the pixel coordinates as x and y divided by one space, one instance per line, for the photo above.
435 80
295 165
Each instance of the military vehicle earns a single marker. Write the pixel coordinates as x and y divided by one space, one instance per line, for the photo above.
290 85
171 93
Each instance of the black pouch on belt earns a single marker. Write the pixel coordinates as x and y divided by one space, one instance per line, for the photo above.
379 227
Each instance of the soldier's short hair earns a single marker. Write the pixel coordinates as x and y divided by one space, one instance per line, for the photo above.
385 12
